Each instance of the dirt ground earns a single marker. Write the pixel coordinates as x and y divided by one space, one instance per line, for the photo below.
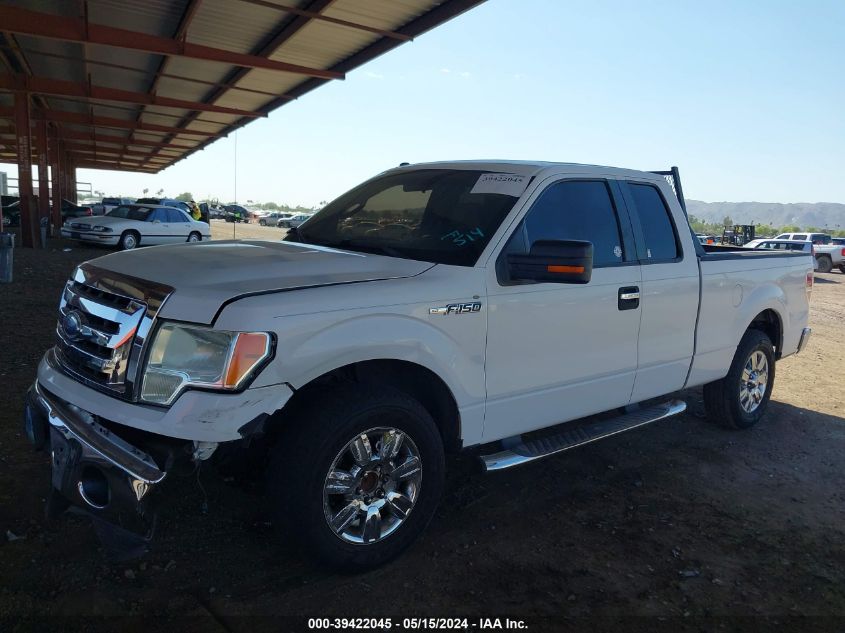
222 230
692 526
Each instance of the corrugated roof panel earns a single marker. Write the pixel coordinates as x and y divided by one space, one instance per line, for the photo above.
323 44
242 100
127 80
201 126
180 89
270 81
387 15
157 17
234 26
157 119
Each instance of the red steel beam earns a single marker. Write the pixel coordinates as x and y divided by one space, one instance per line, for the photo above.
93 164
68 29
106 152
89 120
55 169
43 176
103 138
62 88
24 156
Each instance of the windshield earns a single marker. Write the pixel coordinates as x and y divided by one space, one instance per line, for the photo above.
437 215
130 213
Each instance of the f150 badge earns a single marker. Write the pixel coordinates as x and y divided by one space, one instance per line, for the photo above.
457 308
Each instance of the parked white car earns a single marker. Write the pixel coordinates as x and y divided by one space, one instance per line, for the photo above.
133 225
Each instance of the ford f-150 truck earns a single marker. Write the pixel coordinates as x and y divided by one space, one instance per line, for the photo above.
497 307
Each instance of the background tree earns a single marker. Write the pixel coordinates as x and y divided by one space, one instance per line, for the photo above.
160 193
727 221
187 196
144 191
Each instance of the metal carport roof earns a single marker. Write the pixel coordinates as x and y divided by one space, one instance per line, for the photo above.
137 85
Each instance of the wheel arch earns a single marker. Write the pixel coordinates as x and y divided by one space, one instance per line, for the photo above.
769 322
419 382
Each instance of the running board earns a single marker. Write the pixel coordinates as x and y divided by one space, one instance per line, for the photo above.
537 448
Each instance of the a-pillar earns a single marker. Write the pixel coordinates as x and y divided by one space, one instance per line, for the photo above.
55 173
43 175
29 225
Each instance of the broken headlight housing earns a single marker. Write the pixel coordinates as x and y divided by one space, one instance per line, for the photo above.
184 356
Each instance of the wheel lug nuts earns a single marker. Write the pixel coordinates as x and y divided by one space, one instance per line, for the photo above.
380 493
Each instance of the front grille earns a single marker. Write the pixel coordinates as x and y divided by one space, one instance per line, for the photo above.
80 225
104 320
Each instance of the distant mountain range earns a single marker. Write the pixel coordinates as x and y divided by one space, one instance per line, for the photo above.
803 214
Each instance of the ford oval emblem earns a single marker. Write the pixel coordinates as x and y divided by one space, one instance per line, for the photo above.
72 324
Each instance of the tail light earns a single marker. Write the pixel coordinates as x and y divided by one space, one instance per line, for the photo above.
843 252
89 211
809 282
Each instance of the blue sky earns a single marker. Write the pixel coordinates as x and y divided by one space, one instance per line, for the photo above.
746 97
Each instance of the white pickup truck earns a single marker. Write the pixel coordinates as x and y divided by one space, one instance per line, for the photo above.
485 306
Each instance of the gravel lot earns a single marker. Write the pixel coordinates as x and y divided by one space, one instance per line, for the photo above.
680 520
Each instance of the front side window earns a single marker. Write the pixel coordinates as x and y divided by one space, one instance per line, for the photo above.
658 232
574 210
130 213
437 215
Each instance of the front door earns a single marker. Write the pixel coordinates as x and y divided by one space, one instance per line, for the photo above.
557 352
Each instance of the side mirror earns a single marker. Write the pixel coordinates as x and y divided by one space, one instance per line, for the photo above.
554 261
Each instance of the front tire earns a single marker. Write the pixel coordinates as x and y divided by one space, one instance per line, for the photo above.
741 398
358 477
825 264
129 240
842 268
194 237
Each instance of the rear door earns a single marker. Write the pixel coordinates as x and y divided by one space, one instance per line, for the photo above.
556 352
669 296
180 226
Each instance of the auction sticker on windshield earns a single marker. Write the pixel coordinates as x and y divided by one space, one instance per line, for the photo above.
505 184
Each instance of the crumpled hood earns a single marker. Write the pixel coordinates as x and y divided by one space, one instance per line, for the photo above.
205 275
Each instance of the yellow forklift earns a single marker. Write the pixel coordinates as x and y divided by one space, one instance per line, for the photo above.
739 235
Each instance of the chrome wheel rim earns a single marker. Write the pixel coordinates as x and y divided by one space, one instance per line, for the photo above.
129 242
372 485
193 238
753 382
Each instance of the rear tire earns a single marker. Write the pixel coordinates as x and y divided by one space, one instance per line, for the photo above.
825 264
733 402
129 240
320 438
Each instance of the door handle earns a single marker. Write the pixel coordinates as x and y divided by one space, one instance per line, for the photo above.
629 298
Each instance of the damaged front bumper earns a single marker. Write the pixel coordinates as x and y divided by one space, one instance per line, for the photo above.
91 466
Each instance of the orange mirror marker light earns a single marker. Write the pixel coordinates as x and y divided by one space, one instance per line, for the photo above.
565 269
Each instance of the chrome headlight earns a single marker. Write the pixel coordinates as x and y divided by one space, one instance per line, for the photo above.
188 356
102 229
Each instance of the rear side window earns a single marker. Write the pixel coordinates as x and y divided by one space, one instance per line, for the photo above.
174 216
576 210
799 236
661 243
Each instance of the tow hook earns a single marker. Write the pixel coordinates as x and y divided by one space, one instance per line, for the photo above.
203 450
